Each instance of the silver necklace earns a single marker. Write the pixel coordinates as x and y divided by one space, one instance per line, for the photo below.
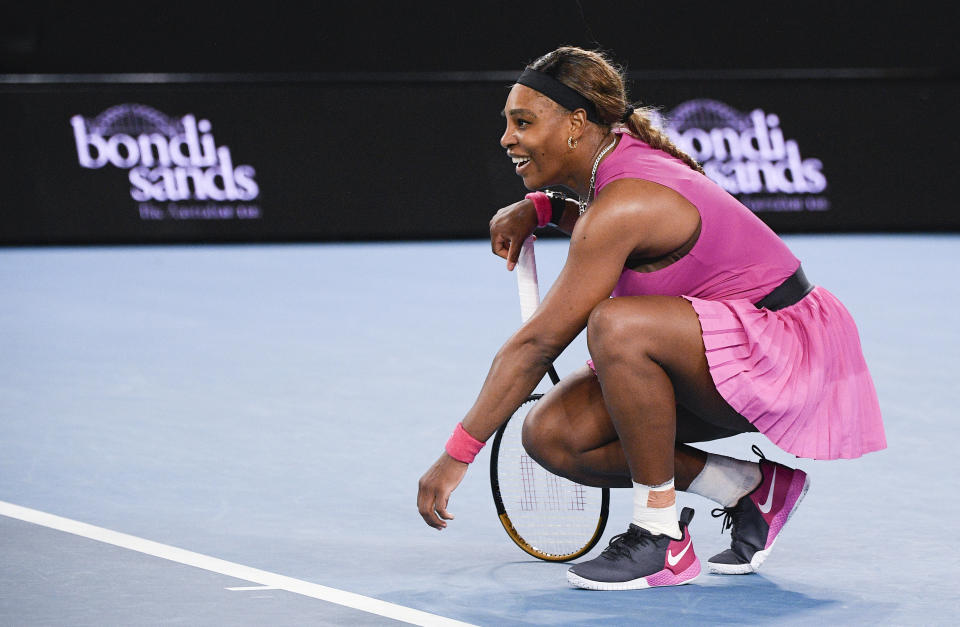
593 176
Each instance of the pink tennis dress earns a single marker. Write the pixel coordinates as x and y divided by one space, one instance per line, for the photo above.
798 373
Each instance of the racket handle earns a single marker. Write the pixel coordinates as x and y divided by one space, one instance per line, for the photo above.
527 284
529 288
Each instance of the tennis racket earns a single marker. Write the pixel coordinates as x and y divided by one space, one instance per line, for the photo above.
547 516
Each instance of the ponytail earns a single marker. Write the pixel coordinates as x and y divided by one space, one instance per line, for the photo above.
640 126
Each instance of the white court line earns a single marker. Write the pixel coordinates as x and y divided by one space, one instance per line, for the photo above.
231 569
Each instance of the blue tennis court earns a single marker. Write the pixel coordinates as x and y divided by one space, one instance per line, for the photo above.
212 435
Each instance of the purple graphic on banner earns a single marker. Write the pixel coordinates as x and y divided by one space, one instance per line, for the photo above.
749 156
134 119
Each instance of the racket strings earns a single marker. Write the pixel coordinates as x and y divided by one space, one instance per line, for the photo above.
579 499
554 515
528 501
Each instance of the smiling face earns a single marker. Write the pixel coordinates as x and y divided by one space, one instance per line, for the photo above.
536 137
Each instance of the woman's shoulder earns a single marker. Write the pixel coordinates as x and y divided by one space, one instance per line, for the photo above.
654 215
634 158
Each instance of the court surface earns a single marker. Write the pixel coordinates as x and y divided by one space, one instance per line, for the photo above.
212 435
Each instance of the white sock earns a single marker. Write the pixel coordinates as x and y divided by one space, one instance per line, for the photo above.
655 508
725 479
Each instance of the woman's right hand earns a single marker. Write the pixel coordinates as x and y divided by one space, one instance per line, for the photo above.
435 487
510 227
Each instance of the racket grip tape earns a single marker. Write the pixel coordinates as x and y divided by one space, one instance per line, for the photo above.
527 285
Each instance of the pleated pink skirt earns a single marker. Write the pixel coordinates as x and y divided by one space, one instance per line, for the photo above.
798 374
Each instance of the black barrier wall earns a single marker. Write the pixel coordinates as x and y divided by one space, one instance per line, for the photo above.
417 156
107 36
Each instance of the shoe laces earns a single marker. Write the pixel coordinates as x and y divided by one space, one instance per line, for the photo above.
730 513
621 544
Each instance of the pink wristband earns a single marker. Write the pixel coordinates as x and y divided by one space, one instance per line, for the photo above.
542 203
462 446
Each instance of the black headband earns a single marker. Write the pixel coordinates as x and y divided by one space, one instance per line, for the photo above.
556 91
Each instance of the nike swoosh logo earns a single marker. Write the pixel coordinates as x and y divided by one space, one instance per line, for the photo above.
674 559
766 506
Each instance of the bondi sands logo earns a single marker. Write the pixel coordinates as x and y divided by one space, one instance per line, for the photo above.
169 159
749 156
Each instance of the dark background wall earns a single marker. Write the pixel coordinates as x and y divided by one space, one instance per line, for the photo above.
91 37
379 120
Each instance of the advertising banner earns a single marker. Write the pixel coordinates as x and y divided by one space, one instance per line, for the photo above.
265 161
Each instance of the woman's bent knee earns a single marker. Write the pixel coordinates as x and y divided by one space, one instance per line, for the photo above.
568 421
536 434
606 321
544 437
618 329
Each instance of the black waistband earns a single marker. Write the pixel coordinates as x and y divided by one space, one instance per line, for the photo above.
790 292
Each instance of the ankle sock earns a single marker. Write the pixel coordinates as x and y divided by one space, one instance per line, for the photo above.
726 480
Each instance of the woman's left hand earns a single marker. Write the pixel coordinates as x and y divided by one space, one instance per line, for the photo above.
510 227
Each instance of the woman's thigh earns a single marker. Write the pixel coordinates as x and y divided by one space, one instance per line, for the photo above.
569 431
573 415
667 331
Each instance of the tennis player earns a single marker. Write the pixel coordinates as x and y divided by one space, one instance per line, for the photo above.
712 330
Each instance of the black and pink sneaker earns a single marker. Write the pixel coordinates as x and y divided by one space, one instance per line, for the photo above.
639 559
756 520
